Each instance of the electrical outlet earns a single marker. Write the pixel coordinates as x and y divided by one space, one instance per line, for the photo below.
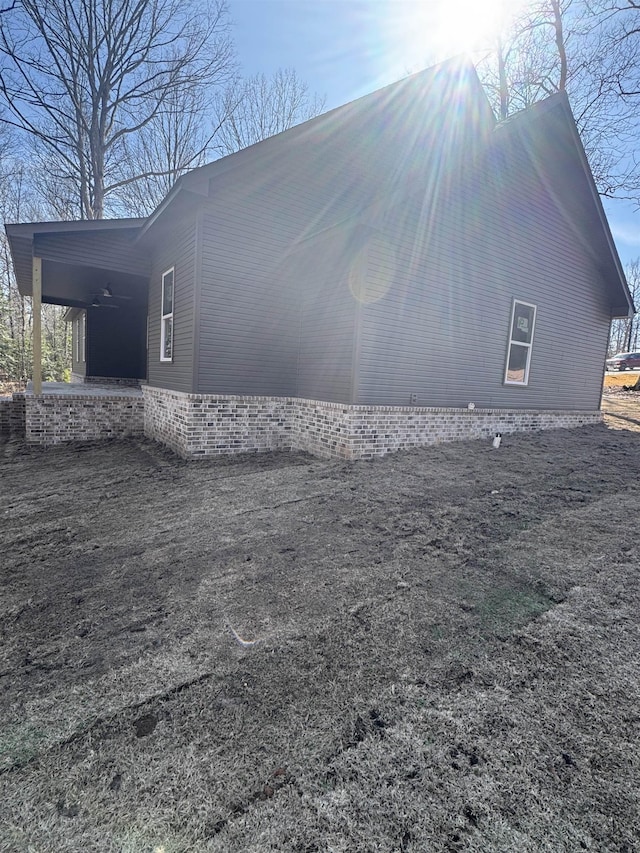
413 399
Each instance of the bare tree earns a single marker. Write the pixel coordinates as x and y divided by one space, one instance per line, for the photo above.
180 137
83 77
557 16
260 107
517 72
18 202
625 333
196 126
572 46
623 16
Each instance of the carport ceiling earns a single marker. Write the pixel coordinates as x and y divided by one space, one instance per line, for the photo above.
86 245
68 284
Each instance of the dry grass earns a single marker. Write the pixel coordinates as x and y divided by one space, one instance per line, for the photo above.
445 655
621 408
617 380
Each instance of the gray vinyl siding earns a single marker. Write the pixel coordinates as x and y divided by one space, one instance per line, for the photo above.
249 309
274 314
174 246
375 260
261 271
441 332
328 317
274 319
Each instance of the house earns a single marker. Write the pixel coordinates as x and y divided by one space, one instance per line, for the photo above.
401 270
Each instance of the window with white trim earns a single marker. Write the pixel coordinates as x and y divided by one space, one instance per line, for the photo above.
81 333
166 328
523 319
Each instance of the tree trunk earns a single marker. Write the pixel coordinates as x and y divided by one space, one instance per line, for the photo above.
562 52
503 83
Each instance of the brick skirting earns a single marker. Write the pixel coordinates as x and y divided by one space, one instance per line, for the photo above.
12 416
195 425
203 425
57 418
6 404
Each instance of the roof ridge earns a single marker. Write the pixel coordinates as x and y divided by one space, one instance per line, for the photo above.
192 180
533 110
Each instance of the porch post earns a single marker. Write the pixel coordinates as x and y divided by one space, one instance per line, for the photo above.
36 304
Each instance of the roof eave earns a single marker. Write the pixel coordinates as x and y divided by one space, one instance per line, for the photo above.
29 229
21 237
186 183
615 257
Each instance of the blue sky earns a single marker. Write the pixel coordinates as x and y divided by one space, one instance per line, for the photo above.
341 48
346 48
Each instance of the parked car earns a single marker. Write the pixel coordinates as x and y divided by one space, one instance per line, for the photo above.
623 361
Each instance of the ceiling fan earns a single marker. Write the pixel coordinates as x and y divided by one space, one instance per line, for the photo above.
106 298
100 303
107 293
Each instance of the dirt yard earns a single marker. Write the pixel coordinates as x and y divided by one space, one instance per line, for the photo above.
437 651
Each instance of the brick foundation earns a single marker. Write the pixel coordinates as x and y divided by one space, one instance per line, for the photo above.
5 416
196 425
57 418
105 381
19 415
12 416
203 425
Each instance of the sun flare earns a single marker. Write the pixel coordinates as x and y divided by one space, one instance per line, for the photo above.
469 25
408 35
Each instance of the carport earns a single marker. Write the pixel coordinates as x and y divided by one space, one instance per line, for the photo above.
97 269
